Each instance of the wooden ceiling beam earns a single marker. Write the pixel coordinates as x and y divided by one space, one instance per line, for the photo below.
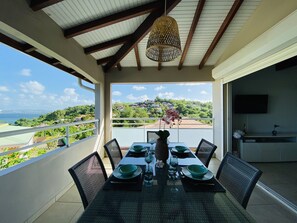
104 60
51 61
11 42
55 62
27 48
137 57
140 32
119 66
106 45
196 18
159 65
40 4
223 28
112 19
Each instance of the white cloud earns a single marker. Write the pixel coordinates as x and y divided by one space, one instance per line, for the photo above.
6 99
138 88
140 98
167 95
33 87
116 93
161 87
115 101
26 72
68 98
69 95
191 84
3 88
203 92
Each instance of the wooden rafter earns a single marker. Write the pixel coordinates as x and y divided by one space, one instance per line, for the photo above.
40 4
55 62
112 19
137 57
11 42
103 60
140 32
119 66
223 28
24 46
106 45
28 48
191 32
159 65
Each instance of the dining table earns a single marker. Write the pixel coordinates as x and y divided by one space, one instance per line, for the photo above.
167 199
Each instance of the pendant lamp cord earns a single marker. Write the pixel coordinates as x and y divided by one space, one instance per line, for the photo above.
165 8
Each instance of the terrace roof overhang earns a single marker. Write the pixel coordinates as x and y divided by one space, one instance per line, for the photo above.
91 44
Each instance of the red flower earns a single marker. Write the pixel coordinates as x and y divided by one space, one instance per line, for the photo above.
170 117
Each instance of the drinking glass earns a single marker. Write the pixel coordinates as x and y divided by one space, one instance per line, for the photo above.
148 176
148 158
172 171
152 141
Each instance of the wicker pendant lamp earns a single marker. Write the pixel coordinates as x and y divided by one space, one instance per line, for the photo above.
163 44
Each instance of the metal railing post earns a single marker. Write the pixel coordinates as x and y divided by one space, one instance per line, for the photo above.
178 131
96 130
67 136
144 129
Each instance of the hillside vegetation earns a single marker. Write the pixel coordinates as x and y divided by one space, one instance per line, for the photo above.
147 109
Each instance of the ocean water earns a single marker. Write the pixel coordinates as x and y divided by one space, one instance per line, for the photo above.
11 118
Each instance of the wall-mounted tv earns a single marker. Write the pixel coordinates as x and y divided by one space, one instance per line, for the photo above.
251 104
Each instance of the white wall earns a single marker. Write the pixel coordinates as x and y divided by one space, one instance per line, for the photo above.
217 98
192 137
281 87
28 190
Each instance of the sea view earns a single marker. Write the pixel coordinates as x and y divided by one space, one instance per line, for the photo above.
11 118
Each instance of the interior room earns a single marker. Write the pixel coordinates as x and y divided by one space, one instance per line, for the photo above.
270 136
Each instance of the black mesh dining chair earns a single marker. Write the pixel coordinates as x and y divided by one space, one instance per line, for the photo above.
205 151
151 136
239 177
89 175
114 152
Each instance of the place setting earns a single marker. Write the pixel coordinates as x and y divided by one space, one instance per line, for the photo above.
197 178
137 151
126 177
182 152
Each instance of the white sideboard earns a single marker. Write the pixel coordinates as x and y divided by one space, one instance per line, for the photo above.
282 148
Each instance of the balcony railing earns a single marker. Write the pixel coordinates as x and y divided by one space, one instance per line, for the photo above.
49 143
190 130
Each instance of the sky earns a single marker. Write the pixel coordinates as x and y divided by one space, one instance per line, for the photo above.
141 92
27 85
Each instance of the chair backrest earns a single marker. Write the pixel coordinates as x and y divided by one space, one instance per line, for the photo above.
205 151
114 152
239 177
151 136
89 175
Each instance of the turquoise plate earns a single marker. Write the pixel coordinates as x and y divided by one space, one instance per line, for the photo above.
207 176
118 175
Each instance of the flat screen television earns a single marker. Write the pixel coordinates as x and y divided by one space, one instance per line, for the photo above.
250 104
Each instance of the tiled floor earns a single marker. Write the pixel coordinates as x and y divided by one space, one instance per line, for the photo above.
261 206
281 177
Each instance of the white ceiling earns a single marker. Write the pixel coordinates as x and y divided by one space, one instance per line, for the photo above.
69 13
